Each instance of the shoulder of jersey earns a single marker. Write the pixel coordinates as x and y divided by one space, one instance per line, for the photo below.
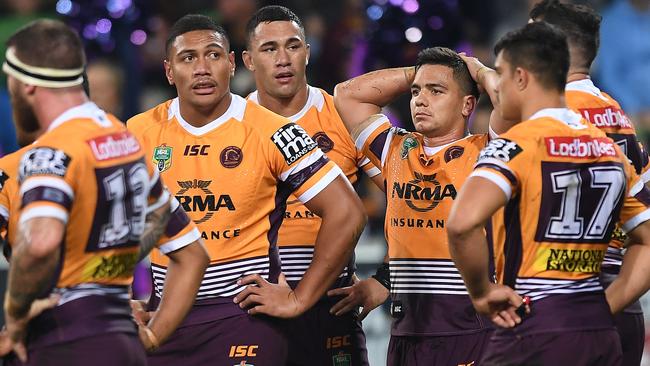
10 162
262 119
154 116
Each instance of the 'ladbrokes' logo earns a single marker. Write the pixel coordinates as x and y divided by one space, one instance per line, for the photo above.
206 202
423 199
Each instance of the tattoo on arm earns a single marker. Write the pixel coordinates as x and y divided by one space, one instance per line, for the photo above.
156 223
29 277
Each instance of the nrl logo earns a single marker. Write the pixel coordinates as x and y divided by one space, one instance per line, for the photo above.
409 144
162 157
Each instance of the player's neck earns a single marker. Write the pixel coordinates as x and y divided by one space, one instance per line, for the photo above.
435 140
199 117
53 103
541 101
577 74
285 107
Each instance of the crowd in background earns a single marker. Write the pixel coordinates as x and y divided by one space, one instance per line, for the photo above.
125 45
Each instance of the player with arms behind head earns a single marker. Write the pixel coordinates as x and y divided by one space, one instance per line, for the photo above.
277 54
83 209
434 322
564 185
233 164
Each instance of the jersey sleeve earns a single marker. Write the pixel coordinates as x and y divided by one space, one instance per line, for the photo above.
47 177
180 231
636 207
298 162
505 162
4 200
364 163
645 163
374 140
158 193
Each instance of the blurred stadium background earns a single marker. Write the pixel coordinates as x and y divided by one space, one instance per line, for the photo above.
125 45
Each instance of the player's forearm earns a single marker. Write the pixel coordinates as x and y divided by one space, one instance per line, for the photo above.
632 281
184 276
469 250
340 230
155 225
30 274
361 97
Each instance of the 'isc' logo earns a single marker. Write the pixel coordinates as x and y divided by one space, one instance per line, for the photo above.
338 342
243 351
195 150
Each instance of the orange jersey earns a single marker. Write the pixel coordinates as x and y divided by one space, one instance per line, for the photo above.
567 185
90 173
300 226
604 112
233 177
427 291
180 230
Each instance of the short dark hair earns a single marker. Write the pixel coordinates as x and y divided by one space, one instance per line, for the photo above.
539 48
271 13
194 22
580 23
447 57
48 43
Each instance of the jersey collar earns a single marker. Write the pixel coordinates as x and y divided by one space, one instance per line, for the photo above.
563 115
86 110
315 99
585 86
235 110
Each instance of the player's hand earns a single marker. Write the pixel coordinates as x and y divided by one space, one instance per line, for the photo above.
368 294
475 66
148 338
13 338
263 297
139 312
500 304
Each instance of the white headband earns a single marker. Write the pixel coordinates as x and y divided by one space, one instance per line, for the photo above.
41 76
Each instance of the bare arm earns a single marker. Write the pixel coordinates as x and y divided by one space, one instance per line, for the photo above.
155 225
477 201
184 275
359 98
33 265
343 220
633 279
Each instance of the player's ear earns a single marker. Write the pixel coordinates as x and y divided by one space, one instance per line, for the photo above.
308 54
521 78
248 60
29 89
168 72
231 58
469 103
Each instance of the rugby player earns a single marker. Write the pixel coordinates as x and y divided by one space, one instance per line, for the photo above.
277 54
433 319
233 164
581 25
83 207
563 185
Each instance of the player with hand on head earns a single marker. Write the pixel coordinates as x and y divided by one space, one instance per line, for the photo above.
233 165
433 318
563 185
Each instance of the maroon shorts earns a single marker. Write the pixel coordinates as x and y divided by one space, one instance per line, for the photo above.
237 340
588 348
453 350
631 330
318 338
108 349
